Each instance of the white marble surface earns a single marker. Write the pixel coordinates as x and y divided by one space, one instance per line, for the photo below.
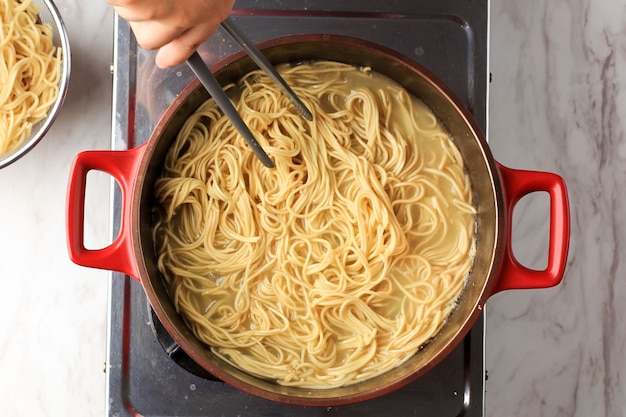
558 103
53 313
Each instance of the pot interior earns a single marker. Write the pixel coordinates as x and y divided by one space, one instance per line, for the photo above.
466 135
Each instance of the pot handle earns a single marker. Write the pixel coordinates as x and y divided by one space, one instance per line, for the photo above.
515 185
123 166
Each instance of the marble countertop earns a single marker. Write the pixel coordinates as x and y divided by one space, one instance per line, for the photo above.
557 103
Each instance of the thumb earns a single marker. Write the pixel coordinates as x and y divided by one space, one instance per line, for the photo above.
178 50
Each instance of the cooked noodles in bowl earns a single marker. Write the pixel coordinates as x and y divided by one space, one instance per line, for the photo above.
30 72
340 263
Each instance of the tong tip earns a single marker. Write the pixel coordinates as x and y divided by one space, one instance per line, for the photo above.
305 112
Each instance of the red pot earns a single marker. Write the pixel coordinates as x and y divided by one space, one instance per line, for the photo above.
496 188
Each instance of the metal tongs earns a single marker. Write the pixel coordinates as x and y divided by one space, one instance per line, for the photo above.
202 71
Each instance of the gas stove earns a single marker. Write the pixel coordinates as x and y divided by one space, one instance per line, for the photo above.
147 373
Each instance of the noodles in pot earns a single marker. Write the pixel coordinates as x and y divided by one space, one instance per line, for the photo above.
30 71
340 263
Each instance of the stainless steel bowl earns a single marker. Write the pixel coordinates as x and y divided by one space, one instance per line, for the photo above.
48 13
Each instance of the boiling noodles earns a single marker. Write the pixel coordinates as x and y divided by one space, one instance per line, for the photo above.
30 70
340 263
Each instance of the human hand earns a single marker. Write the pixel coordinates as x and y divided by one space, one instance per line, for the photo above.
175 27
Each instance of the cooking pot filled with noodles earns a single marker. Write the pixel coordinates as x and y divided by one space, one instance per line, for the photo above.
357 263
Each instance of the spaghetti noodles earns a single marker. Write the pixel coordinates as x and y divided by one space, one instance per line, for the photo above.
30 71
340 263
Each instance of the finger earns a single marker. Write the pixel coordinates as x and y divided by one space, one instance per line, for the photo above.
153 35
177 51
141 14
141 11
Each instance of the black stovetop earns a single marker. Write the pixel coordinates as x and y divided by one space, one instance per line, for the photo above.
147 374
